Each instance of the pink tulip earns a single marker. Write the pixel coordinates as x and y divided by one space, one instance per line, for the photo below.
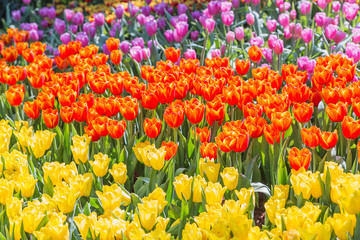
271 24
307 35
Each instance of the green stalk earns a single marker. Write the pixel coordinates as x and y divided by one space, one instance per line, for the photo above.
313 159
349 156
202 59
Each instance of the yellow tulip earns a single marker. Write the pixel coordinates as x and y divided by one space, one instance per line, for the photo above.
281 191
65 198
199 185
158 234
27 185
82 184
85 223
158 195
230 177
119 227
55 229
350 199
53 170
6 190
118 172
100 165
69 172
80 151
103 228
214 193
161 223
342 224
240 226
139 151
15 227
31 217
156 157
23 135
301 184
37 146
112 197
316 191
245 194
317 231
192 232
210 168
147 214
182 186
13 207
272 206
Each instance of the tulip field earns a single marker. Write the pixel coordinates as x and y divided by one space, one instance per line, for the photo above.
180 119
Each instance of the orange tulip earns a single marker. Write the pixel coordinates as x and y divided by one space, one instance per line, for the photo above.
67 114
203 134
281 120
356 106
194 110
149 99
215 112
129 108
322 75
112 44
91 133
271 133
299 158
81 111
252 110
67 96
116 86
51 117
116 56
225 141
255 126
174 116
254 53
232 94
116 129
311 136
208 150
242 67
100 125
287 70
328 140
32 109
337 112
152 127
172 54
15 95
350 128
303 111
10 54
170 148
100 59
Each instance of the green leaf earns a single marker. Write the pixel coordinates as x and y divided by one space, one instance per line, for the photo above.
183 215
260 187
43 222
135 199
48 187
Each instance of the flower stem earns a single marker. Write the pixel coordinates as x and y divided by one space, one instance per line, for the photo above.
203 50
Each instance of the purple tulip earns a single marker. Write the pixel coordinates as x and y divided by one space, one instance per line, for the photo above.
60 26
350 10
68 14
190 54
44 23
305 7
194 35
148 2
170 10
230 36
99 19
255 2
83 38
150 43
182 9
279 2
284 7
161 23
125 47
214 7
141 19
235 3
302 62
41 34
105 49
26 2
292 15
23 9
73 28
297 31
119 11
16 15
65 38
43 12
239 33
78 18
340 35
320 19
307 35
226 6
227 17
223 49
271 24
133 10
215 53
90 29
330 31
257 41
284 19
336 5
278 46
195 15
209 25
322 3
267 52
181 29
138 42
34 35
250 19
51 13
136 54
183 18
160 8
151 27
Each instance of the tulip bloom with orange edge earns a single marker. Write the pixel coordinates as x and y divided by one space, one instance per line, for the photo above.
208 150
149 99
299 158
129 108
170 148
172 54
112 44
67 114
311 136
62 64
328 140
231 94
100 125
215 112
337 112
287 70
194 110
116 129
51 117
271 133
152 127
15 95
242 67
203 134
303 111
281 120
255 126
115 57
252 110
350 128
330 95
10 54
225 141
174 116
81 111
32 109
254 53
241 141
356 106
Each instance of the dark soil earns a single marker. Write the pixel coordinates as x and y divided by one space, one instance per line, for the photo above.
259 212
